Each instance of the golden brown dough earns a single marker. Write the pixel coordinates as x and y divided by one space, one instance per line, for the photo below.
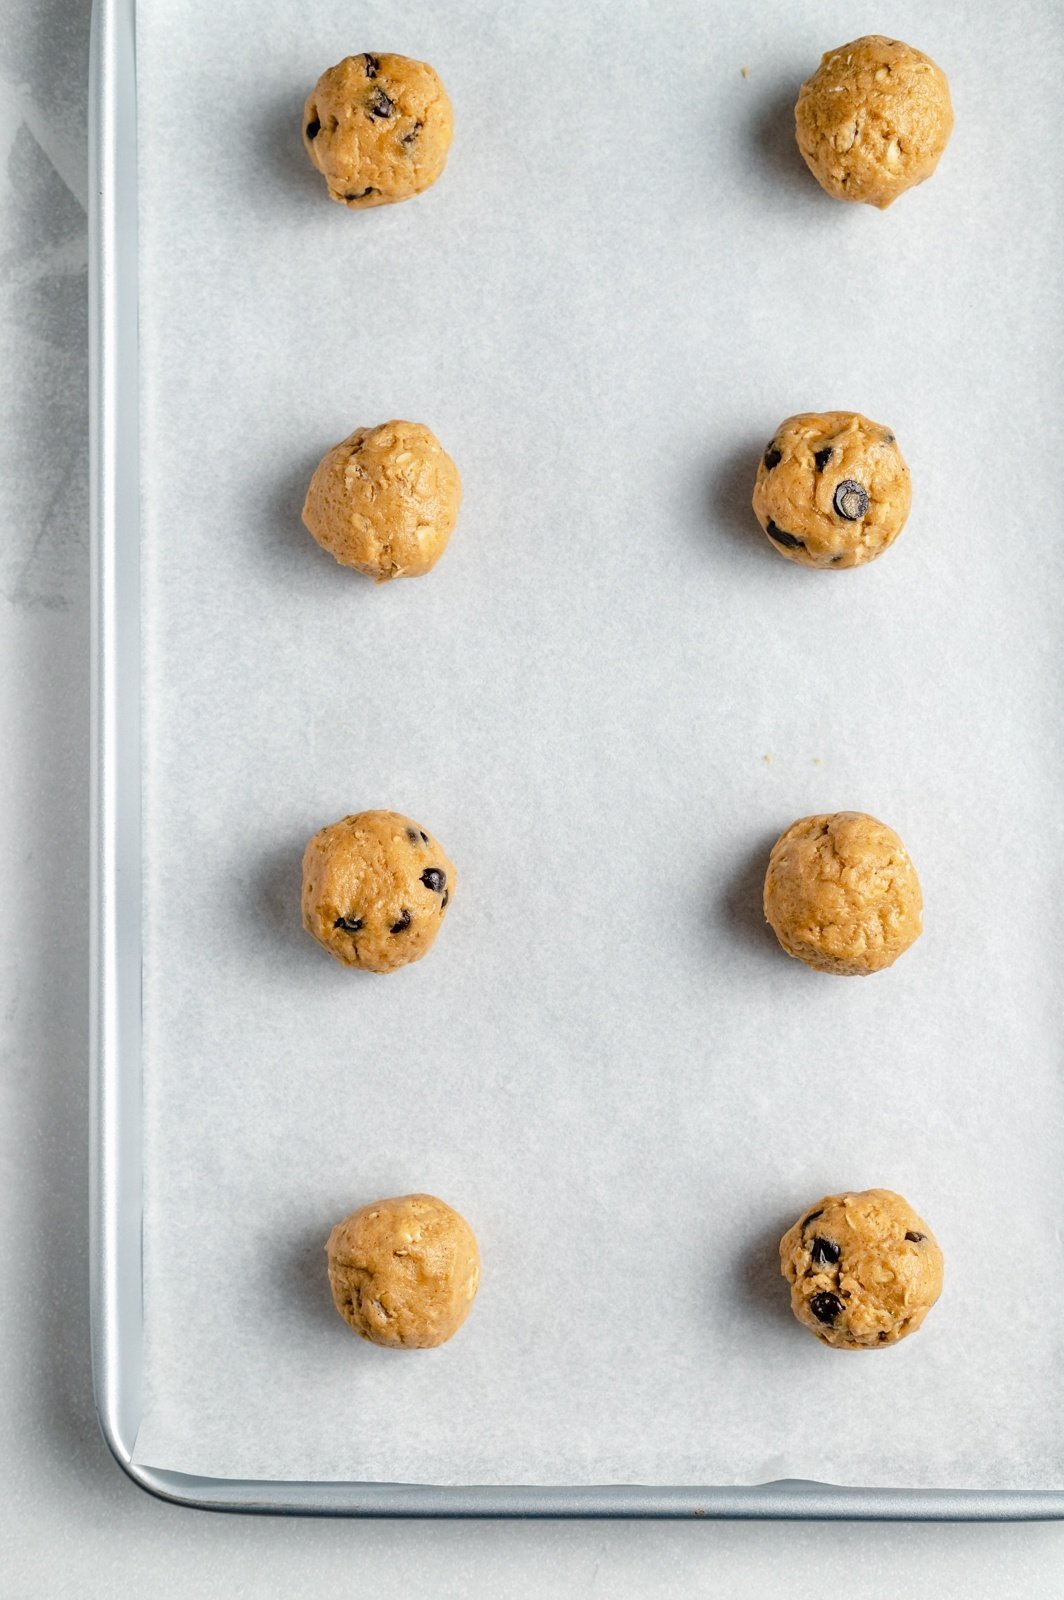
404 1272
841 893
873 120
864 1270
376 888
385 501
378 128
832 489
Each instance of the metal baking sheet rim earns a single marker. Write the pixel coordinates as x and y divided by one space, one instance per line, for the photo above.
115 1063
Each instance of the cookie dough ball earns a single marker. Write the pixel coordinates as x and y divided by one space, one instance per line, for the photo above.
873 120
864 1270
832 489
375 890
404 1272
378 129
385 500
841 893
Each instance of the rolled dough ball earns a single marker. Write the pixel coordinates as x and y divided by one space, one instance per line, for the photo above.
864 1270
385 500
375 890
378 129
832 489
841 893
404 1272
873 120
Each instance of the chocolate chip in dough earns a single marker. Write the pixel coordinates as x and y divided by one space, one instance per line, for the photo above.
380 105
851 500
787 539
825 1306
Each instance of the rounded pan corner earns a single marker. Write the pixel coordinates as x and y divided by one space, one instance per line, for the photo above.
196 1494
144 1477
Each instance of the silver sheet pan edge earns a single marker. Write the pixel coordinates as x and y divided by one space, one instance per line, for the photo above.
116 1310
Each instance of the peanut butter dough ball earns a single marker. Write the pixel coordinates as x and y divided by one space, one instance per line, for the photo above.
404 1272
841 893
873 120
378 129
385 501
864 1270
832 489
375 890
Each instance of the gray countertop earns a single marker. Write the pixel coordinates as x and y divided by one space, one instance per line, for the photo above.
72 1524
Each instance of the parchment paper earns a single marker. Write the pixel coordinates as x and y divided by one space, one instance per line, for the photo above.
607 701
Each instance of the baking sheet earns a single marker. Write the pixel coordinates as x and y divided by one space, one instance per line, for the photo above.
607 701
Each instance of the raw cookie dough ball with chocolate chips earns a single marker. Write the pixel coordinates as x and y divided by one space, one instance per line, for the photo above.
378 128
385 501
873 120
832 489
864 1270
841 893
404 1272
375 890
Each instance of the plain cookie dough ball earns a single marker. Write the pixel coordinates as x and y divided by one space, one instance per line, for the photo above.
841 893
385 501
375 890
404 1272
378 129
832 489
864 1270
873 120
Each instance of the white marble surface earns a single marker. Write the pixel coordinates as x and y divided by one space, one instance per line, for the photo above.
70 1524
